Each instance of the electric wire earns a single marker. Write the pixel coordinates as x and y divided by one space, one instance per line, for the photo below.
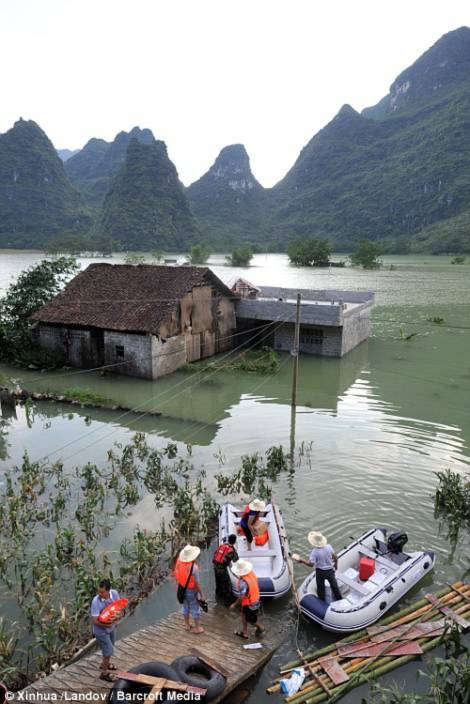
140 416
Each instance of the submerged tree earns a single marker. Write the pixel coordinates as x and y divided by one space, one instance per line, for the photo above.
309 252
367 255
199 253
241 256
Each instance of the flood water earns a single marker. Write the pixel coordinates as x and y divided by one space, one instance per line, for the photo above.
377 424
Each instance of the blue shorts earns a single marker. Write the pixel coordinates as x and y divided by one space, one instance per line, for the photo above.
190 604
106 643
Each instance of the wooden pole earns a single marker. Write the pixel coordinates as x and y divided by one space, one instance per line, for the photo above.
295 352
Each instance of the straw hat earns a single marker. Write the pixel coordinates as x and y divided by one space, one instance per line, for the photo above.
241 567
316 539
257 505
189 553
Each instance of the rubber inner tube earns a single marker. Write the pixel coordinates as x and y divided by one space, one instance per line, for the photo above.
193 671
154 669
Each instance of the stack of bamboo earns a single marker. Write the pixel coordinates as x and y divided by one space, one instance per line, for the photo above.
451 603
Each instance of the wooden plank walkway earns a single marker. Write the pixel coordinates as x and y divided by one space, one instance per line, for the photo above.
165 641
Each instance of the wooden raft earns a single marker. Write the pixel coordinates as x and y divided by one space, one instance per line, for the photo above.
367 654
165 641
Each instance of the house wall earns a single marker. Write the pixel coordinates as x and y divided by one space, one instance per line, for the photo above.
208 322
356 329
167 356
330 347
75 345
226 324
201 326
137 352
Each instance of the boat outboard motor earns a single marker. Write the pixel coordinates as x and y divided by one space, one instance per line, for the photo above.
397 541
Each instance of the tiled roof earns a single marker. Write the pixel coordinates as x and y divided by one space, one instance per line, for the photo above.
125 297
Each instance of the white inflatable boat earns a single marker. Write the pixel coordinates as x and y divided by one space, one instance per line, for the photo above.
394 572
271 562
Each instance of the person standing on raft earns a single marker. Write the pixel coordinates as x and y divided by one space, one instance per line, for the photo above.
249 518
104 633
223 556
249 598
186 573
325 560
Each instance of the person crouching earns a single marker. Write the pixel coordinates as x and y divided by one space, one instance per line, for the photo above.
249 598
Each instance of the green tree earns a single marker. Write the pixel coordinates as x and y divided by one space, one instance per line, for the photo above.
367 255
68 243
199 253
104 244
241 256
134 258
35 287
309 252
157 254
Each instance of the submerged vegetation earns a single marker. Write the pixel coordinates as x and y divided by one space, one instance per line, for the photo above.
199 253
367 255
262 361
452 502
54 522
240 256
309 252
83 394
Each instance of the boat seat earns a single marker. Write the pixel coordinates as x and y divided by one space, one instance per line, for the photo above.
257 553
340 577
380 559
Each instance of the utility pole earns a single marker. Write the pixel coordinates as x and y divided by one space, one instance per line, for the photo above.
295 352
295 377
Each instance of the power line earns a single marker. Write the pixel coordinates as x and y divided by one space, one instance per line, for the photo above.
184 381
133 359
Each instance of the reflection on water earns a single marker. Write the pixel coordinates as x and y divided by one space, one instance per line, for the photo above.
371 429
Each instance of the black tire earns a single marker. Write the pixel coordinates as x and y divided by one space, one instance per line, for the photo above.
193 671
153 668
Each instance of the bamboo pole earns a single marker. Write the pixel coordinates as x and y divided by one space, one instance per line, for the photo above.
310 687
302 698
382 670
395 619
384 665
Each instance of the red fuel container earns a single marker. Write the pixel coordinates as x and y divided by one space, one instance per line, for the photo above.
366 568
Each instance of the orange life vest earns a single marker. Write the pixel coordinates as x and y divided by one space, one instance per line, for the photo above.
222 553
181 573
252 595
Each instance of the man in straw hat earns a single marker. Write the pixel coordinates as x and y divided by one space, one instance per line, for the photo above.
249 598
249 517
186 573
324 558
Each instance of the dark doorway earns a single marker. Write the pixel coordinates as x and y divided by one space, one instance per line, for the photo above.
97 348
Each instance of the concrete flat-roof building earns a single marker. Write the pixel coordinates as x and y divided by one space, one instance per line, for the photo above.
332 322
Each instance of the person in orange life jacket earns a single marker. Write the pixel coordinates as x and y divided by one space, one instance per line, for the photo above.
249 597
249 518
186 573
326 562
223 556
104 634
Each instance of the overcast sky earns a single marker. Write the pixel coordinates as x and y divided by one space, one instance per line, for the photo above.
206 73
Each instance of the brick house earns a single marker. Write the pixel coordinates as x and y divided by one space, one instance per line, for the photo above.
332 322
143 320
